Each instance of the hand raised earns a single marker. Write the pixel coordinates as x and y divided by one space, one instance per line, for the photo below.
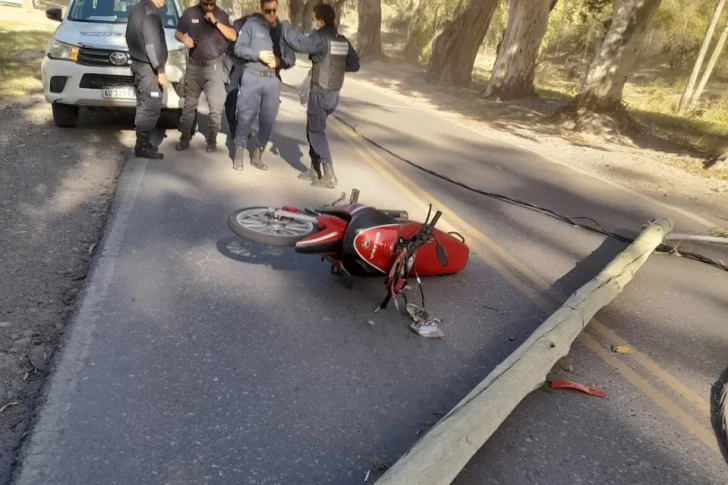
266 57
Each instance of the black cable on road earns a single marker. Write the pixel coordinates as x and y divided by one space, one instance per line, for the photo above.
597 228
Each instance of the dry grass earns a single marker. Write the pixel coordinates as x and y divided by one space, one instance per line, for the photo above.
651 97
23 50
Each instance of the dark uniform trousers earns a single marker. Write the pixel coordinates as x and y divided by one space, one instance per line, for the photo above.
321 104
207 77
259 94
148 103
231 102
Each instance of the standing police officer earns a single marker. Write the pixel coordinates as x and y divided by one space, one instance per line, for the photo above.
332 55
209 31
260 85
148 52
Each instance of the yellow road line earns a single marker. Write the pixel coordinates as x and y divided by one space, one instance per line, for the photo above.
695 428
417 195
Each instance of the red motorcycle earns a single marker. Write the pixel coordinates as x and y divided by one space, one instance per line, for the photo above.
359 240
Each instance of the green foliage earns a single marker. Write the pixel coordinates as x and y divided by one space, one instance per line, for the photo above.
592 8
422 19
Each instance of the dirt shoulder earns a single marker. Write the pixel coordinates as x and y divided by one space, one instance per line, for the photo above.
665 174
56 186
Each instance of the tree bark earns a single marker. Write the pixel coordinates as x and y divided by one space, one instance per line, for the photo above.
602 90
456 46
711 65
686 98
300 13
296 9
369 37
338 8
514 68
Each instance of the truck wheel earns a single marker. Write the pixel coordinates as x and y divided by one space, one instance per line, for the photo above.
65 115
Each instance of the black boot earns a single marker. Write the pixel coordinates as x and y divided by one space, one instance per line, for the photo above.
184 141
313 173
256 159
211 142
328 181
144 149
239 160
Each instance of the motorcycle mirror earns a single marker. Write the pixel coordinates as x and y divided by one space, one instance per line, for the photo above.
441 255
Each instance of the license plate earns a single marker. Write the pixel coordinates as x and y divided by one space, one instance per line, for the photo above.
119 92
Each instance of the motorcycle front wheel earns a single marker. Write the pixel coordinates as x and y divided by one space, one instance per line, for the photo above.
259 224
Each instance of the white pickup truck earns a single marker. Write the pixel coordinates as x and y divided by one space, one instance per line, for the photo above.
87 60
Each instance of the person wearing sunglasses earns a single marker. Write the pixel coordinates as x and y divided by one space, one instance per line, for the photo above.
259 86
332 55
206 31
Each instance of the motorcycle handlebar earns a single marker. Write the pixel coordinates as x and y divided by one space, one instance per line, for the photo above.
432 223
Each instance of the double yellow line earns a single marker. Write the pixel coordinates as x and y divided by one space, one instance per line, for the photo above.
486 249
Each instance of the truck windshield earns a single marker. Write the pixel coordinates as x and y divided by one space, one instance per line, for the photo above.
117 12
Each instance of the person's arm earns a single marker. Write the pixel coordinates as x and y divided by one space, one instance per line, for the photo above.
352 60
307 44
243 48
223 25
182 29
288 56
150 33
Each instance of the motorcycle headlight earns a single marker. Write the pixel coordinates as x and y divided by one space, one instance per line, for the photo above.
60 50
178 59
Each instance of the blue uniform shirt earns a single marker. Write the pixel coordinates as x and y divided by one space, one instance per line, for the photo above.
256 36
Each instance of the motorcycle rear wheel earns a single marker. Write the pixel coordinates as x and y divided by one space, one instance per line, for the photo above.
257 224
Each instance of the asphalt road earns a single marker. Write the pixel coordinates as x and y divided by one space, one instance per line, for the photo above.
198 358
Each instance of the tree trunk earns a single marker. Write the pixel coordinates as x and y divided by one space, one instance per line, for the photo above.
514 68
369 37
614 60
338 8
420 25
307 11
455 48
296 9
711 65
687 95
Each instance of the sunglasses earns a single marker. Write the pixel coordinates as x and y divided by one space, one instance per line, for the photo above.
269 11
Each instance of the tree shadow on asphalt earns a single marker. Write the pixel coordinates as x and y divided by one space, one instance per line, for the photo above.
526 233
307 388
331 383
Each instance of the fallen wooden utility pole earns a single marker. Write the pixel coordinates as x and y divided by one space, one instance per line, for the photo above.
441 454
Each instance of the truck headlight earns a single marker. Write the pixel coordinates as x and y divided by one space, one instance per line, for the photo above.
60 50
178 59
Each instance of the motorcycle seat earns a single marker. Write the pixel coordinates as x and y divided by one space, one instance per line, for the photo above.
336 212
364 218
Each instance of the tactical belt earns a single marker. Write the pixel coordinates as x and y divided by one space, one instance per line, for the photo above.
204 62
258 72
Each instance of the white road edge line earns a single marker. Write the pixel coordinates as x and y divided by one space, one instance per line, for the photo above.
39 455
